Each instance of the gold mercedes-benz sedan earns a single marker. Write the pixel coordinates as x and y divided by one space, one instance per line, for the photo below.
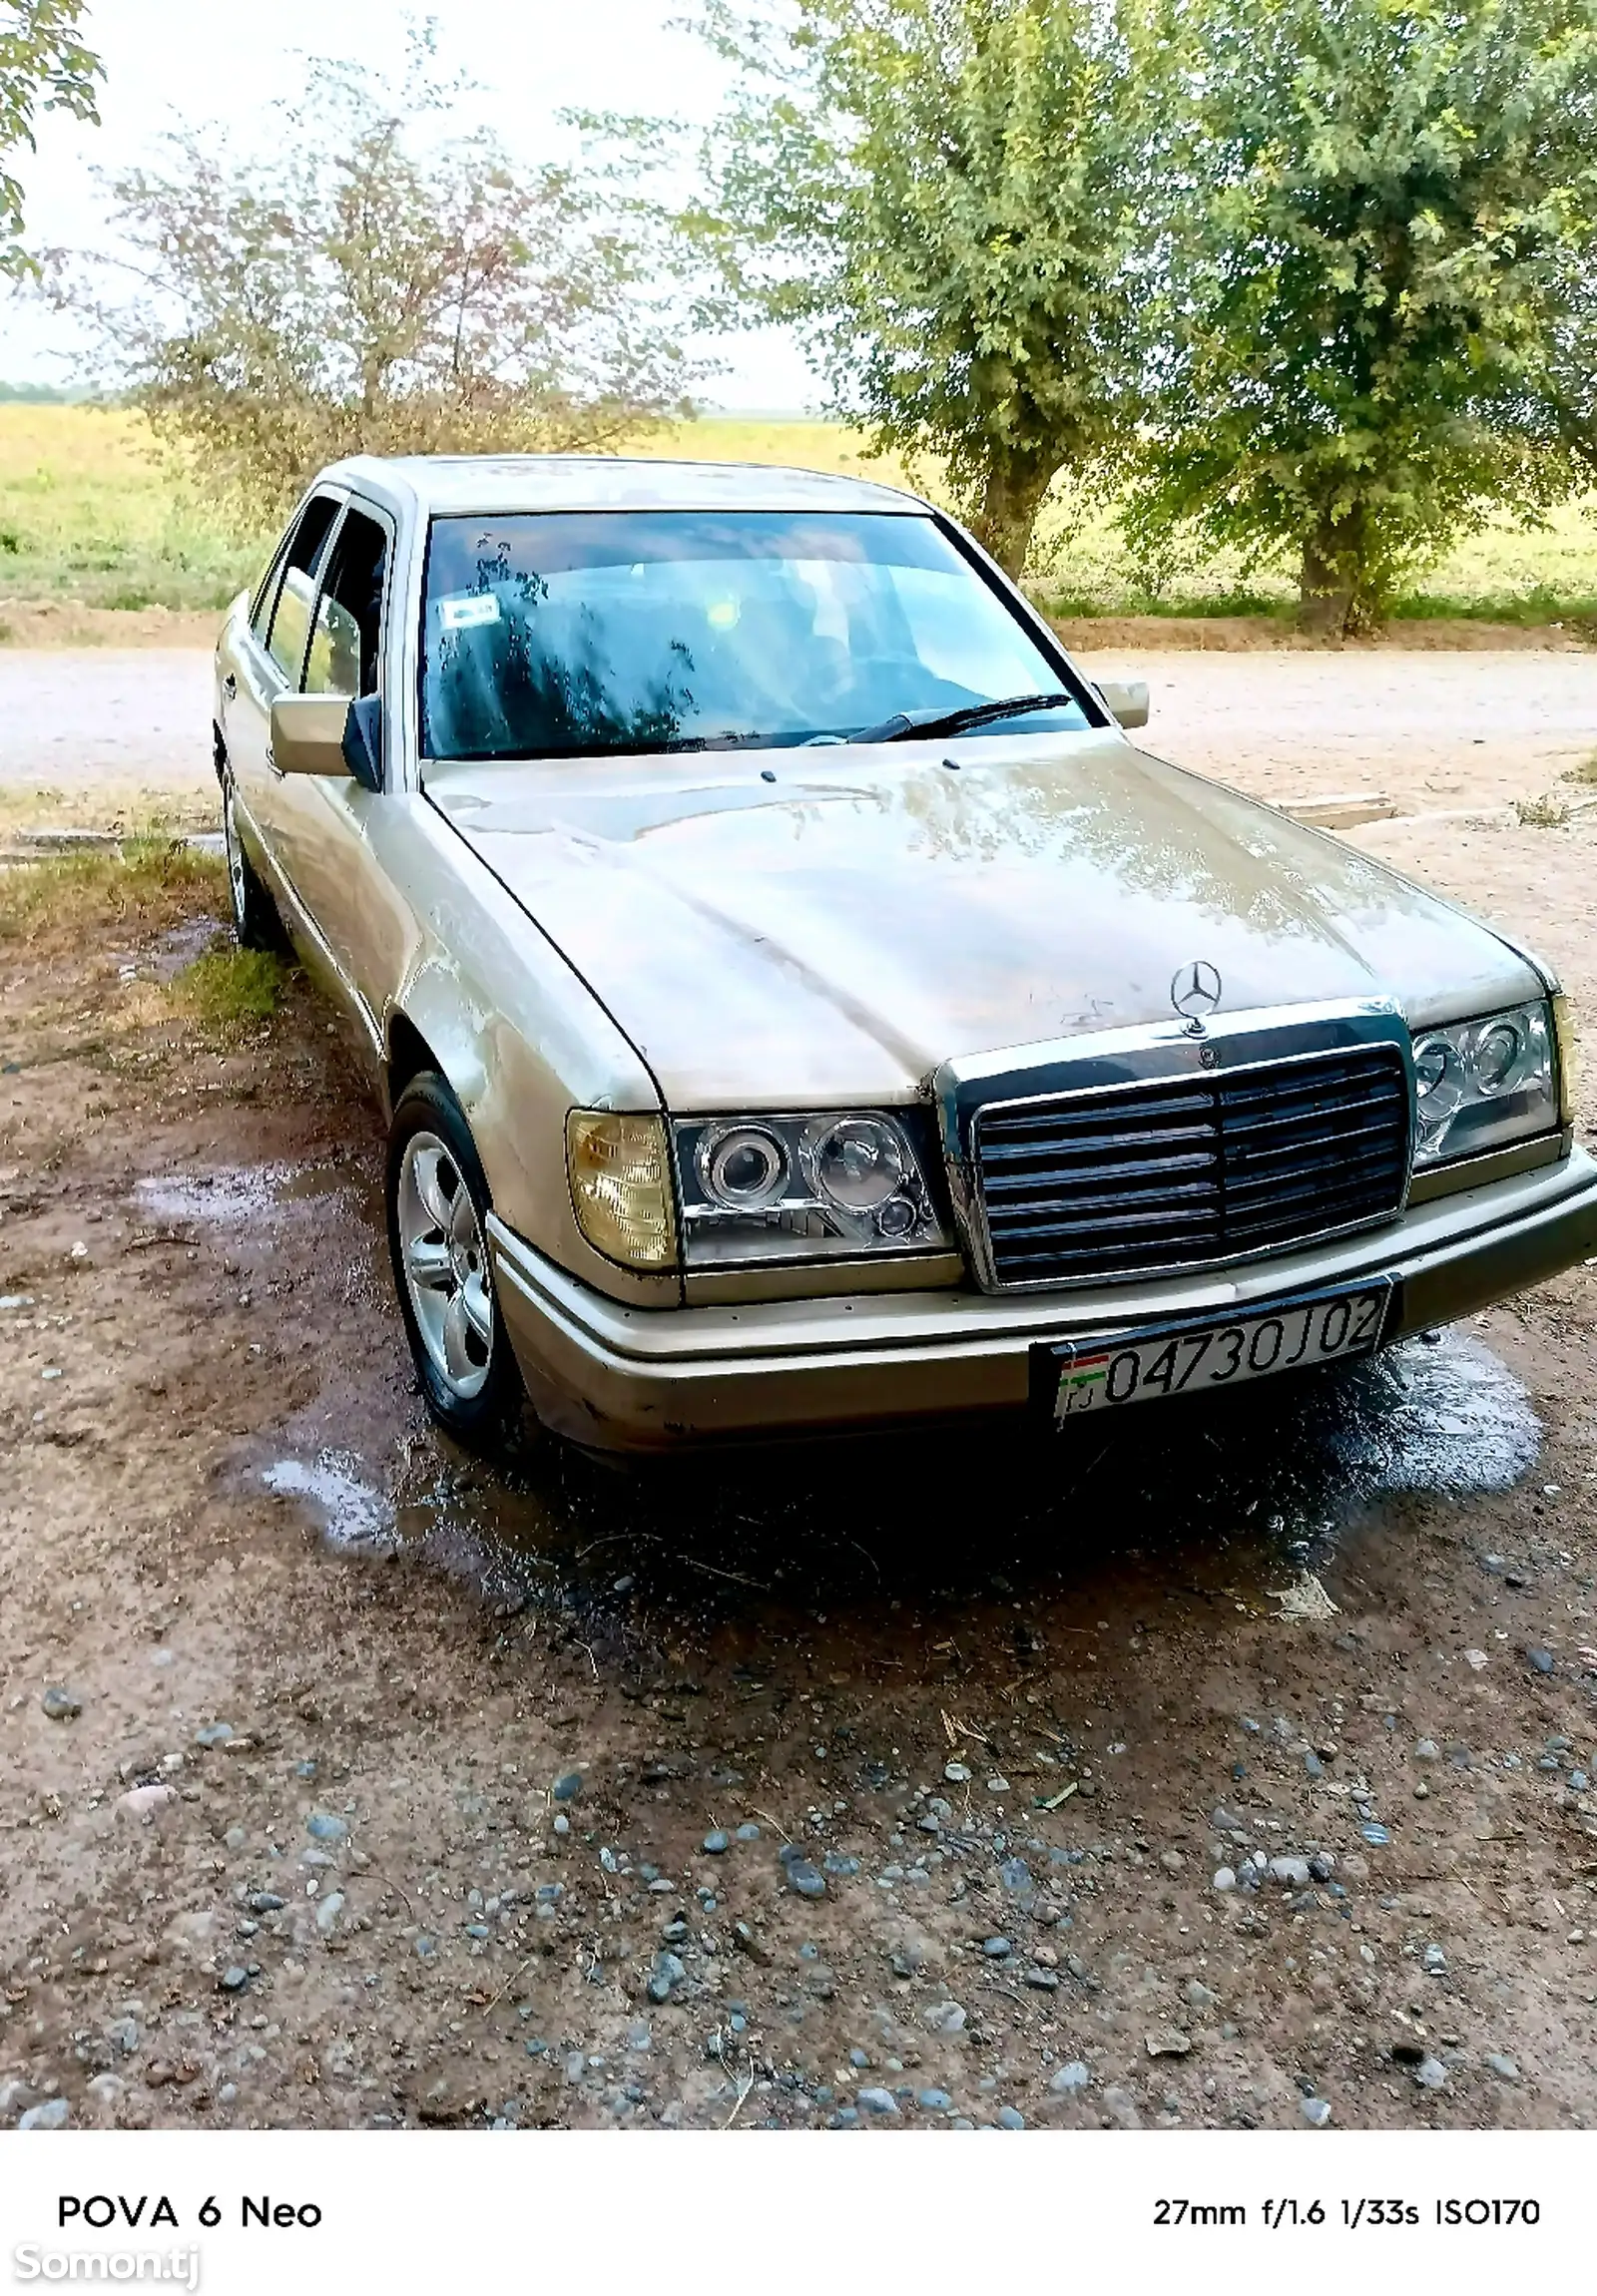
798 1004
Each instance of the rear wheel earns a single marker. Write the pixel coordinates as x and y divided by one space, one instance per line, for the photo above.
437 1234
254 919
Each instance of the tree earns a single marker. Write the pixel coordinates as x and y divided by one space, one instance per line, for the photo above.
940 195
371 288
44 66
1382 304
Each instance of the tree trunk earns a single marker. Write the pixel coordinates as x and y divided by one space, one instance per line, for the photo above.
1010 501
1334 596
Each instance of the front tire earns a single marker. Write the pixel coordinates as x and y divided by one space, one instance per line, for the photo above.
439 1206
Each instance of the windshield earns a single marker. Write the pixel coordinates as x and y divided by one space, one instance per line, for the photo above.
581 632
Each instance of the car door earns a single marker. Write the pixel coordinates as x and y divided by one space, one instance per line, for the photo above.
269 661
321 824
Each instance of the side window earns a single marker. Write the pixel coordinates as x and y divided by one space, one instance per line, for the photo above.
348 624
291 617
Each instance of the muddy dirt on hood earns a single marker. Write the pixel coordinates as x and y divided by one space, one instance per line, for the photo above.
1231 1768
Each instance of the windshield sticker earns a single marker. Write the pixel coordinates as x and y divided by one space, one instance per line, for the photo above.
469 610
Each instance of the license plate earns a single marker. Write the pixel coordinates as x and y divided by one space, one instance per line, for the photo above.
1191 1359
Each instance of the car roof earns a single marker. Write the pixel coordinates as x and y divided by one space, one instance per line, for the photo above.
446 484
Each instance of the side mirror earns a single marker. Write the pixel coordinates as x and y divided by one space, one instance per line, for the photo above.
329 734
1126 700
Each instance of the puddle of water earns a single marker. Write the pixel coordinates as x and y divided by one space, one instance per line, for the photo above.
237 1194
1457 1422
1279 1472
180 947
348 1510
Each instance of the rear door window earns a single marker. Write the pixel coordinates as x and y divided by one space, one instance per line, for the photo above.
296 590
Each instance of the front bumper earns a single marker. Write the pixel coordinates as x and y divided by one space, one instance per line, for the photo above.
621 1378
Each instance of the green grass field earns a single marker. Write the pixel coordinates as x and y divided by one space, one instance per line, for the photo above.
90 513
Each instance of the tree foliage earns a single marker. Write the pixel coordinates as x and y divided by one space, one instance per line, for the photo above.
1381 318
941 196
44 66
374 289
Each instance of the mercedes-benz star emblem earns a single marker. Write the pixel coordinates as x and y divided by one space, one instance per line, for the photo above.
1195 992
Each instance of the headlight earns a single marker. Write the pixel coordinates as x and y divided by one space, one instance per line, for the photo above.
805 1187
1485 1083
621 1187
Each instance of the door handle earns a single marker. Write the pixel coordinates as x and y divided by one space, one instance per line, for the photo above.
229 687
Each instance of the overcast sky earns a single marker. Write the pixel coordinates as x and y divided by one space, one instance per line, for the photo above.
203 62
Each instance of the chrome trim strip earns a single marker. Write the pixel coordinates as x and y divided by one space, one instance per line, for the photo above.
1168 1052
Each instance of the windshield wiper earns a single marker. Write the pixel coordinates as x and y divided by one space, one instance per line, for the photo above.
916 726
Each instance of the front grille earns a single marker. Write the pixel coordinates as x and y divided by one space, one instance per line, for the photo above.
1213 1168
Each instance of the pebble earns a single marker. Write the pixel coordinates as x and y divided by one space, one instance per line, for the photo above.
1315 2110
717 1843
329 1908
567 1786
943 2016
1377 1835
425 1948
1225 1879
60 1705
1070 2078
997 1948
1436 1961
1321 1867
1167 2044
803 1878
956 1773
998 1783
1009 2117
748 1831
146 1802
1430 2072
1427 1750
123 2034
213 1735
54 2114
1199 1994
1504 2067
841 1867
877 2100
263 1902
1292 1871
1540 1661
233 1979
324 1828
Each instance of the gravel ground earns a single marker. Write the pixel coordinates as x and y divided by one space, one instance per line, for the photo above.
1233 1770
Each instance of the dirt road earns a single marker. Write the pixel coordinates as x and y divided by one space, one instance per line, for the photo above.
106 731
349 1781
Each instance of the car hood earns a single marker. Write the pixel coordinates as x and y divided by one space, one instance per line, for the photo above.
831 934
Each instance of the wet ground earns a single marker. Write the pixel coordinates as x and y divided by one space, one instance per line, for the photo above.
1229 1766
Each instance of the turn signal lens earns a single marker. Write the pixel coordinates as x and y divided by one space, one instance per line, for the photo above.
621 1187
